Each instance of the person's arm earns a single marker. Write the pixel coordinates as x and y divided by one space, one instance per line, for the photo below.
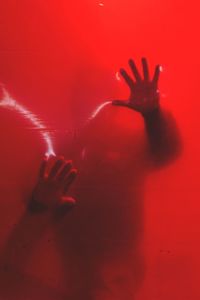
55 177
163 136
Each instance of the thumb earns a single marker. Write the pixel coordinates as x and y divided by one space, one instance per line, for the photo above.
64 205
119 103
68 202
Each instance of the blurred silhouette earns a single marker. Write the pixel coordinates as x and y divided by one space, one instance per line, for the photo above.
100 240
26 220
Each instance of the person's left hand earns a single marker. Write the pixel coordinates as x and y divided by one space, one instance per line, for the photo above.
55 177
144 93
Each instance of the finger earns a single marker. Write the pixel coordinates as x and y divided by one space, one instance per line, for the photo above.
70 178
50 161
67 167
67 202
43 168
55 168
127 78
134 70
145 69
64 206
51 157
156 75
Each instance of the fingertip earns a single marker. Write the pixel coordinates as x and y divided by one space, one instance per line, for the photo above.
131 62
64 206
69 201
69 162
61 157
72 201
72 175
160 67
51 157
70 179
74 172
144 62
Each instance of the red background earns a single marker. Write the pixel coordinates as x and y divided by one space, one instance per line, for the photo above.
59 59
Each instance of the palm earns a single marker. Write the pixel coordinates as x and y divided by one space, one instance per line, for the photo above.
48 192
55 178
144 95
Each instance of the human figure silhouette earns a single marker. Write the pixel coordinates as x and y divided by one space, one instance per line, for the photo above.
100 239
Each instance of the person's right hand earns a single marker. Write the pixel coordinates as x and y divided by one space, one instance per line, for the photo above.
55 177
144 94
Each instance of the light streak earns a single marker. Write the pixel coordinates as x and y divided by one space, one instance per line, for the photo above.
161 68
117 75
99 108
11 103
